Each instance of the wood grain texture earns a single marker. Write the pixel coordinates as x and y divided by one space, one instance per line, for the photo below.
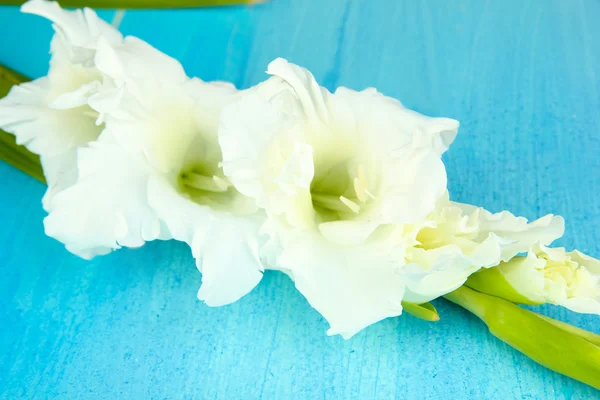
521 76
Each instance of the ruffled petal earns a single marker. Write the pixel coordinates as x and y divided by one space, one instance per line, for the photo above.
351 287
137 63
583 305
302 82
276 173
395 126
108 206
433 273
76 98
513 235
77 31
54 134
225 245
44 131
60 172
228 257
414 182
571 279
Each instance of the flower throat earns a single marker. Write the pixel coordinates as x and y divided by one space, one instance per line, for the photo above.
338 194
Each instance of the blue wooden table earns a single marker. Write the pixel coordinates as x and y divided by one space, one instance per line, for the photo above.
523 79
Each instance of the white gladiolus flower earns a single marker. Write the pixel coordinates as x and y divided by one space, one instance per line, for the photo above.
50 115
547 275
162 172
107 207
458 239
340 175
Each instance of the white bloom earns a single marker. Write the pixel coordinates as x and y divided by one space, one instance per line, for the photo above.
546 275
339 174
160 140
108 206
50 115
458 239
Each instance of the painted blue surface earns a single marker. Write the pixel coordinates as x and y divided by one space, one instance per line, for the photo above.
522 77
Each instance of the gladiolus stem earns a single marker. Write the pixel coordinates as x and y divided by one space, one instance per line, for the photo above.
587 335
542 339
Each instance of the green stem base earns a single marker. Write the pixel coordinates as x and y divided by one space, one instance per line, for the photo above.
544 340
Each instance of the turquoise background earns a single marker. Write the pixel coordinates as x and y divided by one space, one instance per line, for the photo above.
521 76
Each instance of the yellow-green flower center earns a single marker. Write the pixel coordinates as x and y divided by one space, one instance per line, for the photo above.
207 185
337 193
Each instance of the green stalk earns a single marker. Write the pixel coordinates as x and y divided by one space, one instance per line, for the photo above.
140 3
14 154
582 333
425 311
546 341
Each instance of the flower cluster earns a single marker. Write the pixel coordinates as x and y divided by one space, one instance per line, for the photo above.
344 192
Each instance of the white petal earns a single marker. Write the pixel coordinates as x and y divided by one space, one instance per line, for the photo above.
246 130
395 125
138 63
513 234
108 206
60 172
225 246
79 28
584 305
228 257
413 185
526 276
347 233
591 264
433 273
351 287
572 280
310 94
44 131
77 98
277 175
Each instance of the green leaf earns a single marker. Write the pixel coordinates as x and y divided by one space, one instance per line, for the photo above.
424 311
141 3
546 341
14 154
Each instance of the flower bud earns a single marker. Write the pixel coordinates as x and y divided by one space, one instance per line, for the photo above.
545 275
